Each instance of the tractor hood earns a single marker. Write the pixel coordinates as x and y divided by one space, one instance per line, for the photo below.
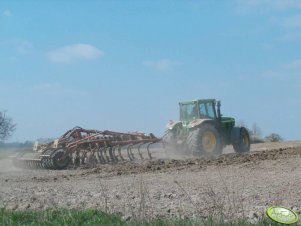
196 122
186 124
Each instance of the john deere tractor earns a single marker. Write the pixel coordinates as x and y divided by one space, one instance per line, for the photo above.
203 131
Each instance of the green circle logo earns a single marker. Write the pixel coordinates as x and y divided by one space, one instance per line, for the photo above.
282 214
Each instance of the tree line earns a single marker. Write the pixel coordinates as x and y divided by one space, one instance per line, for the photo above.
256 134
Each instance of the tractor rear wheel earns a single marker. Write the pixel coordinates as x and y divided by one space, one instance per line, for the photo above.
205 141
243 143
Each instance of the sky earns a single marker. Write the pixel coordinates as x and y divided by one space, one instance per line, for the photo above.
125 65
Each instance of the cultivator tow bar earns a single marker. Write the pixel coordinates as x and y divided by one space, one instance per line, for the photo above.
80 146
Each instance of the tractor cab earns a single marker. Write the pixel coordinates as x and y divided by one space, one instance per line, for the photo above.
198 109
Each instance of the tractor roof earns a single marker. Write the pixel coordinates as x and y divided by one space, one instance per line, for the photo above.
197 100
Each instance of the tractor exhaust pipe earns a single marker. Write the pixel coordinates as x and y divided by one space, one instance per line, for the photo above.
219 110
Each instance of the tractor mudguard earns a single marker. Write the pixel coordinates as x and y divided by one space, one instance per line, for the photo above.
196 122
172 124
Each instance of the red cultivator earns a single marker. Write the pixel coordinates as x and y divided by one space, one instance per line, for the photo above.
80 146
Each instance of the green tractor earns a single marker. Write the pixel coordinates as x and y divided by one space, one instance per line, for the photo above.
203 131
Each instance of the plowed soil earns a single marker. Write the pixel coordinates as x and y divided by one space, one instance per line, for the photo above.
229 186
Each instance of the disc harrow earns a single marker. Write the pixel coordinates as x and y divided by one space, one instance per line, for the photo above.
80 146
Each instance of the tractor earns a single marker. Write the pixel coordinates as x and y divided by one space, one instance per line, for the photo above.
203 131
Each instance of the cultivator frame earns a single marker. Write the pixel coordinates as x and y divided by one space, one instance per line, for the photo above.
81 146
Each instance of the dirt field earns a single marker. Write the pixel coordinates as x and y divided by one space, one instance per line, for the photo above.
230 186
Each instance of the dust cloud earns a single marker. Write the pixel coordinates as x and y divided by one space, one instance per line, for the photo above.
6 165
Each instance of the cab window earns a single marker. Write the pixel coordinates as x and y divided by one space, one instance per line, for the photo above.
210 110
207 110
203 111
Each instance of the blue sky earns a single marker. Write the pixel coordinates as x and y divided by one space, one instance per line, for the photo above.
125 65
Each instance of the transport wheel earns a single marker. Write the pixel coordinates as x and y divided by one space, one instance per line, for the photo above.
58 162
205 141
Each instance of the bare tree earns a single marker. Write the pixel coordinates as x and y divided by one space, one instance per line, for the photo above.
256 131
274 137
7 127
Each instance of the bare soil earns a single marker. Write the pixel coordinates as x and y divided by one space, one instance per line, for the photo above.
229 186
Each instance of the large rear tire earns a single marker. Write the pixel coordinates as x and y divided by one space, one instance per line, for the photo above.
205 141
241 143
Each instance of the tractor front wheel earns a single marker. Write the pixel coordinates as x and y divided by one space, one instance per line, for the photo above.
242 142
205 141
